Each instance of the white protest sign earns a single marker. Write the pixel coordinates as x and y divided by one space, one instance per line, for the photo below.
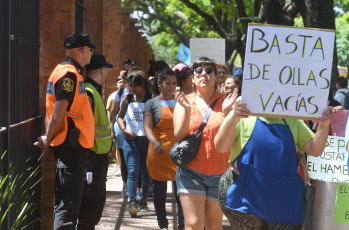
332 164
213 48
287 71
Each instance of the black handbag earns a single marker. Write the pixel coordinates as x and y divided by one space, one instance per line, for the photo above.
185 151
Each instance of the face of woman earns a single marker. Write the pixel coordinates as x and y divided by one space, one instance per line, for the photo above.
135 89
229 86
168 86
121 83
222 75
187 83
204 76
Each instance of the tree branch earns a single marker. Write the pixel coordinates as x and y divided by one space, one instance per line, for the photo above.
214 23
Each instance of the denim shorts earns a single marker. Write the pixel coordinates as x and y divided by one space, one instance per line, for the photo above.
192 182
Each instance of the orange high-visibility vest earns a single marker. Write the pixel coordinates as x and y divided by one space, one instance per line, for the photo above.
80 110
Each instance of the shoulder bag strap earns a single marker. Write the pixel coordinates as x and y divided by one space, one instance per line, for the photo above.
207 116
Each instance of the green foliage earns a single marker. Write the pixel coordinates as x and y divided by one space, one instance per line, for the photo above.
11 184
165 48
342 38
340 7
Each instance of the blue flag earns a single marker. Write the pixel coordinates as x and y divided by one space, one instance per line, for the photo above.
183 54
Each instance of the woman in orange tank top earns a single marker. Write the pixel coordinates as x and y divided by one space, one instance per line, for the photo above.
197 182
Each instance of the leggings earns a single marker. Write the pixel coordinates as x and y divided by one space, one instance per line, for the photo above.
123 166
160 192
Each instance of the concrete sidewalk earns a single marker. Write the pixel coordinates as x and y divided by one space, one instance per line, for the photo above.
115 214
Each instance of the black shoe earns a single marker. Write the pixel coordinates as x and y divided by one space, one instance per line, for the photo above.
143 206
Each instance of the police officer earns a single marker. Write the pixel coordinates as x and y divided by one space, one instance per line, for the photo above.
129 64
94 194
70 129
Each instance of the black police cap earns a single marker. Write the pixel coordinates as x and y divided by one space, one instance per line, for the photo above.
129 61
78 40
98 61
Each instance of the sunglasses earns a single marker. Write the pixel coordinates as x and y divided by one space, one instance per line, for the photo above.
200 70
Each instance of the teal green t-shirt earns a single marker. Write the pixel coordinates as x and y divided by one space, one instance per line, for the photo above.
300 131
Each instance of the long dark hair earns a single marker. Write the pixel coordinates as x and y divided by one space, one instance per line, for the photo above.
156 66
138 77
161 77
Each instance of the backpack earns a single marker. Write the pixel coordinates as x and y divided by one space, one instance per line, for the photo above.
346 100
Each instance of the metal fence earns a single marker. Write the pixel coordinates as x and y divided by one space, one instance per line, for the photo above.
20 122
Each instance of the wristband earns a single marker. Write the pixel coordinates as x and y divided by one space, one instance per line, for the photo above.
123 130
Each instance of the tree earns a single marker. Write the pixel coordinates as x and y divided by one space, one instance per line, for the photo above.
229 19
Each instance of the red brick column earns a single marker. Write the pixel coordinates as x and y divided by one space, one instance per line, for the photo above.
115 36
57 21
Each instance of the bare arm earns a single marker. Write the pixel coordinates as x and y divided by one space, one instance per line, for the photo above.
225 137
316 145
114 109
148 129
120 120
181 117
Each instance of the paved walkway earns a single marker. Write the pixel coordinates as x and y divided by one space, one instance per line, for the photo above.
115 214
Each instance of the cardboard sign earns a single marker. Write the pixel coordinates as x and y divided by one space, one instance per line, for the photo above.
332 164
341 214
339 122
287 71
213 48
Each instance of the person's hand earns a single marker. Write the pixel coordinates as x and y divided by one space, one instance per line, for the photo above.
240 112
229 101
182 100
326 117
306 178
130 135
42 143
112 134
159 148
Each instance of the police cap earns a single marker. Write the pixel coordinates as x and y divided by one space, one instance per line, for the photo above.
129 61
78 40
98 61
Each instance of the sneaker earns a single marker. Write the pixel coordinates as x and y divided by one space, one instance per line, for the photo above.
133 209
139 196
124 192
143 206
118 173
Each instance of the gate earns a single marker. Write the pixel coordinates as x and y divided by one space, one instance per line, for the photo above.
20 122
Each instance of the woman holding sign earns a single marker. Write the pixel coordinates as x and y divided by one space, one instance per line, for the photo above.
267 192
197 182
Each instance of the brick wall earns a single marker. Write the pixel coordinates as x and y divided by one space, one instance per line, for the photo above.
57 21
111 30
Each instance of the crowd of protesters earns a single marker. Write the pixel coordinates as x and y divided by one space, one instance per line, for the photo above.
149 113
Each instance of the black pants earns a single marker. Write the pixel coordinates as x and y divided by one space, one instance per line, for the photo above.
69 181
94 194
123 166
160 192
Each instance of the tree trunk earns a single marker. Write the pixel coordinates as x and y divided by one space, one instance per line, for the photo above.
320 14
